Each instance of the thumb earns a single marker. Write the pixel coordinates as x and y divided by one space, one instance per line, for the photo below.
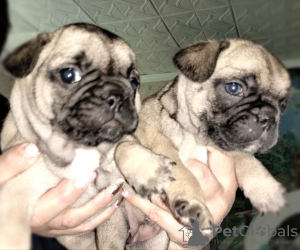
16 160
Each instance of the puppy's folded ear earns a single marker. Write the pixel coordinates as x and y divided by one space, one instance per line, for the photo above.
198 62
22 61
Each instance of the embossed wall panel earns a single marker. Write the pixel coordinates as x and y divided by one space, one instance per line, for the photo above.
218 23
185 28
63 12
156 62
155 33
26 16
166 8
285 16
108 11
253 22
157 29
285 47
209 4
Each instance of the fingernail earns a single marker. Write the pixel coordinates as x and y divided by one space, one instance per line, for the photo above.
118 202
115 188
84 181
31 150
125 194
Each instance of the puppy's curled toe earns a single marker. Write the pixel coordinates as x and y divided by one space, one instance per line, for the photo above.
157 178
188 212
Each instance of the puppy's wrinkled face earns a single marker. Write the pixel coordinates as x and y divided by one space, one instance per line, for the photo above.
251 89
245 96
86 82
96 85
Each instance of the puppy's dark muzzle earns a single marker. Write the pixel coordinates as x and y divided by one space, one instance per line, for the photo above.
251 125
104 112
247 127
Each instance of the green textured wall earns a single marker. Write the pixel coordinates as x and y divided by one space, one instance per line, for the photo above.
150 88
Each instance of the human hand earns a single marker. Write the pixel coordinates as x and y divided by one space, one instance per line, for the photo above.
157 211
218 182
16 160
52 215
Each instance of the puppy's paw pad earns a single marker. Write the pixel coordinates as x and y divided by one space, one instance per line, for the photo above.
190 211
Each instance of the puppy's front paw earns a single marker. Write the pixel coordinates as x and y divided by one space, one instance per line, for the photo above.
267 197
193 210
155 177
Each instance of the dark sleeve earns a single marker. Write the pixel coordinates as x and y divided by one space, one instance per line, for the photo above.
4 23
4 108
43 243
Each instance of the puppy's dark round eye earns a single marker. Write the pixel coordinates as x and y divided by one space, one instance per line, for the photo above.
134 83
69 75
234 88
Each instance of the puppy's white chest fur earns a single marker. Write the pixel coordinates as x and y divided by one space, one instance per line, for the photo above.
85 162
190 149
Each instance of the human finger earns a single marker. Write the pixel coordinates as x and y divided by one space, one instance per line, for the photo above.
16 160
71 218
57 199
155 199
161 217
87 225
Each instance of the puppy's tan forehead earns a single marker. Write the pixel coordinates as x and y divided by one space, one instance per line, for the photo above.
121 53
97 46
244 58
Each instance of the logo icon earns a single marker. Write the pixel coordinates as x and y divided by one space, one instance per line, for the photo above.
261 231
194 237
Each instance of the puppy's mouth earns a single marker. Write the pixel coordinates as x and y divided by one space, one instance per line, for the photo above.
243 128
114 130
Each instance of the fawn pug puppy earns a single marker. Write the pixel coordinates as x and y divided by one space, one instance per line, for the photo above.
75 97
229 95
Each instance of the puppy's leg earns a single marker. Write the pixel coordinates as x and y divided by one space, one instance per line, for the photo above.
184 195
112 234
160 241
265 193
145 171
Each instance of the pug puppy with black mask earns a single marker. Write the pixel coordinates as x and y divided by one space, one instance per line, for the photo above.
229 95
75 97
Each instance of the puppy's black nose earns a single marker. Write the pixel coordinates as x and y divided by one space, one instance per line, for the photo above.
266 115
264 121
113 101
